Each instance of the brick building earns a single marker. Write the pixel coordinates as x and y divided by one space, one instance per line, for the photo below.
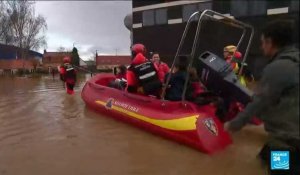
53 59
108 62
11 59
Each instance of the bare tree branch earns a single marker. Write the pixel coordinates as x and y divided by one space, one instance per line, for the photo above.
19 25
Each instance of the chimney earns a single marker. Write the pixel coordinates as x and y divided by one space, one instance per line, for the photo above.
45 51
96 57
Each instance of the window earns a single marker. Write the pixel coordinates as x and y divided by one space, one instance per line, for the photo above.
148 18
188 10
294 6
257 7
278 4
222 7
137 17
205 6
161 16
239 8
175 12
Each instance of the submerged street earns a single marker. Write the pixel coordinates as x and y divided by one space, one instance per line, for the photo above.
45 131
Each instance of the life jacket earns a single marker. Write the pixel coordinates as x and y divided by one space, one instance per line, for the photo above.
147 76
69 72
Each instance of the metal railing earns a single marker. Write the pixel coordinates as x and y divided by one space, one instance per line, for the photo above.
215 16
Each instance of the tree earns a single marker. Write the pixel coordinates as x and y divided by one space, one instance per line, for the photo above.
4 35
24 26
21 27
75 57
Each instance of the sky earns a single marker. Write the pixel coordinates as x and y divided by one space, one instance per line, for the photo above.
89 25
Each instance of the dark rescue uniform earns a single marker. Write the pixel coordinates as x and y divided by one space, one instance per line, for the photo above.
147 77
68 75
70 72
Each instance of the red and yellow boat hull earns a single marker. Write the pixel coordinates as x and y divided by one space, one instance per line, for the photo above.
185 122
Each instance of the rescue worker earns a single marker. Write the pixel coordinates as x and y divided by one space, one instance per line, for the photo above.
162 67
232 57
142 75
276 99
68 75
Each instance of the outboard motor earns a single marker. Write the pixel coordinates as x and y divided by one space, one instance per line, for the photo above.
216 74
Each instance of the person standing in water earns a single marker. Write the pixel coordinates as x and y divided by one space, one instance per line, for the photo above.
68 75
276 98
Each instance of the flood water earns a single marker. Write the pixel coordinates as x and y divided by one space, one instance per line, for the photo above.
44 131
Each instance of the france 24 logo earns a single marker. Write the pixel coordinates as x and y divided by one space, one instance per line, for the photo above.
280 160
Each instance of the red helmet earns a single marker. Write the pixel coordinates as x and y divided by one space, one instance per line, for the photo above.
67 59
138 48
238 55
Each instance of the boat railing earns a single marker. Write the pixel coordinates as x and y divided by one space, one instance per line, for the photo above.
216 17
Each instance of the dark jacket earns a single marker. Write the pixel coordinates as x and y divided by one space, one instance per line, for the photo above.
176 86
276 100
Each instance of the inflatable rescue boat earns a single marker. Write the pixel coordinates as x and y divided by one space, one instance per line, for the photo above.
185 122
181 121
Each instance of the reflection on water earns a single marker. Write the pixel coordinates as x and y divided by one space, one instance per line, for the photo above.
45 131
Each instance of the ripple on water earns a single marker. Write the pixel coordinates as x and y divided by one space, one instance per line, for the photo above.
45 131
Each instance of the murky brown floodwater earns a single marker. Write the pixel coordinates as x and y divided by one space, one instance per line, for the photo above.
44 131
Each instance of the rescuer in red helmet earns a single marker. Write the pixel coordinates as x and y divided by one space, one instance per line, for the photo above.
68 75
142 76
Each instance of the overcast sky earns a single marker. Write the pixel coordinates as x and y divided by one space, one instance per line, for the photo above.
92 25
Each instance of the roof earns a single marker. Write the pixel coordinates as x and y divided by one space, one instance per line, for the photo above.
15 64
55 57
113 59
52 54
9 52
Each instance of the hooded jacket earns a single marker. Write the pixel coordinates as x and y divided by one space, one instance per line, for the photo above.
276 100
